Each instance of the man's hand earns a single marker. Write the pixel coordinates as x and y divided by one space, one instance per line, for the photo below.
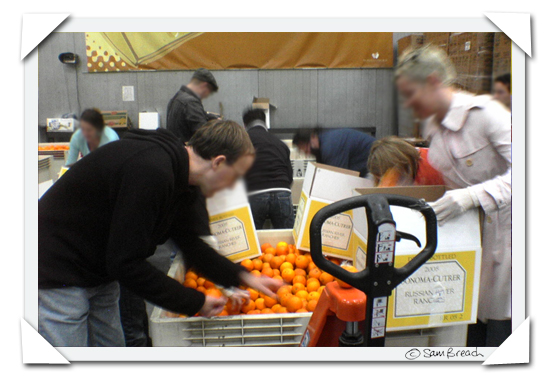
266 285
453 204
237 297
212 306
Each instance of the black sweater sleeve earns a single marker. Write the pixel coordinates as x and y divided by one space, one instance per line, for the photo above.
142 197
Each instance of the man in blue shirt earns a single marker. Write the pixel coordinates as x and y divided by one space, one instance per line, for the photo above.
343 148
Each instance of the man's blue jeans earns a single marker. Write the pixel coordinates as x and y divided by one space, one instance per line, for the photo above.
275 205
80 317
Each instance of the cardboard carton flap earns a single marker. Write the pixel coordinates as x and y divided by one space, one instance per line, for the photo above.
428 193
336 169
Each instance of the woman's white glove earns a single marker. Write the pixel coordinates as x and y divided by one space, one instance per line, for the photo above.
454 203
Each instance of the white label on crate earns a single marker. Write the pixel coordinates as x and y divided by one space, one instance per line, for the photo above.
231 236
379 308
337 231
435 288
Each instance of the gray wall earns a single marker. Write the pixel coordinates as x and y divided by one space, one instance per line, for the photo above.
329 97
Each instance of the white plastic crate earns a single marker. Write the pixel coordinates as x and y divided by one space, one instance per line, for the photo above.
240 330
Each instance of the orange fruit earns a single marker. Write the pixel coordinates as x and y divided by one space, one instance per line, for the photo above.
320 290
302 310
301 262
201 289
311 305
291 258
253 294
247 263
253 312
266 311
249 306
300 272
267 271
265 246
291 249
282 310
276 272
208 284
270 250
276 262
298 287
282 248
336 261
213 292
313 286
270 302
256 273
260 304
288 274
344 284
283 289
285 298
299 279
326 278
293 304
286 265
200 282
302 294
304 303
313 296
267 257
258 264
276 307
310 280
191 275
190 283
223 313
265 264
278 277
311 266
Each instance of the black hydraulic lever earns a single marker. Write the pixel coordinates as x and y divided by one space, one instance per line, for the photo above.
380 277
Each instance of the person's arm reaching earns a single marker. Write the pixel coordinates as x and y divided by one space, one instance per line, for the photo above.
74 150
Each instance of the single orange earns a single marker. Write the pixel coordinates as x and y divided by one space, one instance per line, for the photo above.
201 289
278 277
270 250
299 279
291 249
191 275
270 302
284 289
282 310
300 272
249 306
302 310
294 303
301 262
265 265
258 264
267 311
276 272
253 294
256 273
247 263
342 283
311 280
313 286
267 271
311 305
265 246
281 249
200 282
286 265
326 278
336 261
223 313
302 294
313 296
291 258
304 303
253 312
190 283
267 257
213 292
276 307
288 274
284 299
208 284
298 287
260 304
276 262
311 266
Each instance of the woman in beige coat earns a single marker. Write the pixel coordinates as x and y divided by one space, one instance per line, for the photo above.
470 144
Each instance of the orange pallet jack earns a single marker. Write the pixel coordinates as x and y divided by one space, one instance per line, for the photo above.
353 317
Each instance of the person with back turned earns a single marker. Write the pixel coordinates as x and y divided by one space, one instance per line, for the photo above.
269 180
185 110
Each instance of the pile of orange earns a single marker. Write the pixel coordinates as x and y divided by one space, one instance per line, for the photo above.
303 281
53 147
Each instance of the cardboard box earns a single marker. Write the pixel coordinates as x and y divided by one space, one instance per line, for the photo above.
263 103
324 185
61 124
232 224
413 41
438 39
502 55
445 289
117 119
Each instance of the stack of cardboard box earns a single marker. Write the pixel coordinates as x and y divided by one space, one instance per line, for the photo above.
438 39
413 41
502 55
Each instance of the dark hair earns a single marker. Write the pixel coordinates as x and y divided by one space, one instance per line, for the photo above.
253 114
505 79
221 137
93 117
303 136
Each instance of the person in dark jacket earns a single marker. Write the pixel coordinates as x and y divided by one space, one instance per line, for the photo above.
101 220
268 181
343 148
186 113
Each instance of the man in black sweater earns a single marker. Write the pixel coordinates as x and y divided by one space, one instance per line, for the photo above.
269 180
186 113
101 220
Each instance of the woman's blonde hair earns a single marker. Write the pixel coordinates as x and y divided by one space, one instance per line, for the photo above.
418 64
393 153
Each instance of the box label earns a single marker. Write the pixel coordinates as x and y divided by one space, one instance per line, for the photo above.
438 293
235 234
